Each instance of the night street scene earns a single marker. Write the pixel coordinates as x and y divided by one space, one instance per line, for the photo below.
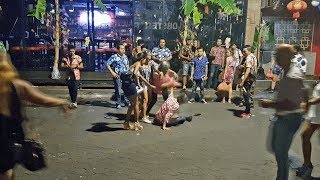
160 89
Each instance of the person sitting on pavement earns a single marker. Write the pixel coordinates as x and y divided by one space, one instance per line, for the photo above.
170 107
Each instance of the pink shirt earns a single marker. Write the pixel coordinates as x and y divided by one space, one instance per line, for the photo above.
76 61
157 82
168 109
219 54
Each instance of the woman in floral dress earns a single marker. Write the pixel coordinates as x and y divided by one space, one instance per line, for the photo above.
231 64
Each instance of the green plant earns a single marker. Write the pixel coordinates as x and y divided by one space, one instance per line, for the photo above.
191 8
39 10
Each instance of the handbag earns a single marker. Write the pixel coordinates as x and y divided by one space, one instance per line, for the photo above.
27 152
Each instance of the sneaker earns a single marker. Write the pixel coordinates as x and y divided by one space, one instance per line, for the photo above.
203 101
184 87
191 101
73 105
118 106
147 120
189 119
304 172
245 115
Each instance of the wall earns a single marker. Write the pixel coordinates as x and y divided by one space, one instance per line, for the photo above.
253 19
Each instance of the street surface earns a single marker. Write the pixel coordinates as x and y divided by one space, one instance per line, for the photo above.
216 145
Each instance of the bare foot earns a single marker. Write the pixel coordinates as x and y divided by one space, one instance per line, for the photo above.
165 128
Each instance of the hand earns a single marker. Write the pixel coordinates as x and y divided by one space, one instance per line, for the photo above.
73 66
115 75
191 78
241 84
205 78
165 128
153 87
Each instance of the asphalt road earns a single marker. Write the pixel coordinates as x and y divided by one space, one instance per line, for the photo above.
216 145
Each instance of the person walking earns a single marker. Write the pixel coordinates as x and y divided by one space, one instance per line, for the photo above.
116 65
290 107
312 124
72 63
14 90
217 63
199 74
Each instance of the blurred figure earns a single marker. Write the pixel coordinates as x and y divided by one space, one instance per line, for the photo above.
277 73
13 91
138 49
217 54
228 77
290 105
239 57
186 57
312 124
72 63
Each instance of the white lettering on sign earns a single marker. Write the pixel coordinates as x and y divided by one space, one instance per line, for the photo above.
167 25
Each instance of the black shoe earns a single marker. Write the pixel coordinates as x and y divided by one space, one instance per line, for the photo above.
189 119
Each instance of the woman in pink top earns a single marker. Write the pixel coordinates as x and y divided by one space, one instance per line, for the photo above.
231 64
170 107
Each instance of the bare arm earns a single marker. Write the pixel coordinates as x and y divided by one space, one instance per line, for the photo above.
137 66
64 65
33 95
147 82
314 101
246 75
192 73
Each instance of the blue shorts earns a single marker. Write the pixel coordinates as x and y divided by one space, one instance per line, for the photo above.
129 89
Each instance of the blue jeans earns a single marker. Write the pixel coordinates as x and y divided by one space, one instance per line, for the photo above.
284 130
213 76
117 87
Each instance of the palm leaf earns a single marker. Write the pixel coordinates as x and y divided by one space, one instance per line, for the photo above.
100 5
39 10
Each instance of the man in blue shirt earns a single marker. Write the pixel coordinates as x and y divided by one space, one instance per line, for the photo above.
199 74
161 53
118 64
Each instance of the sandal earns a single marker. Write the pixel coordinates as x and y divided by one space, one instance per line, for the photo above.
137 126
127 126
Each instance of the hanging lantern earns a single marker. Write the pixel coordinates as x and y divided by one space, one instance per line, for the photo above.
296 6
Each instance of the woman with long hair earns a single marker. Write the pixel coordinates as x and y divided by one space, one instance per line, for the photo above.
228 77
143 68
12 91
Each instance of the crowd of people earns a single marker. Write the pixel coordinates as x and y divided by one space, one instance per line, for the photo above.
150 75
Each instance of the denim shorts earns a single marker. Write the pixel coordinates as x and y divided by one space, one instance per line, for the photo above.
186 69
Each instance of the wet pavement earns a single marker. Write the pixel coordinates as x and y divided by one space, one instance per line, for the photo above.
216 145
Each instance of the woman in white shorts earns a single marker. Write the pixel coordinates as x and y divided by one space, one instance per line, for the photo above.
311 125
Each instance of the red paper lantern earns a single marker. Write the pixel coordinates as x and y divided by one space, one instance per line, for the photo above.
296 6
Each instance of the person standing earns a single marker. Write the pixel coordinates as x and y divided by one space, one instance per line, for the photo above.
248 80
312 124
138 49
72 63
118 64
199 74
228 77
186 56
161 53
217 54
290 106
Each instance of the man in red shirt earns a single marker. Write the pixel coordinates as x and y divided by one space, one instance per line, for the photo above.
217 54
